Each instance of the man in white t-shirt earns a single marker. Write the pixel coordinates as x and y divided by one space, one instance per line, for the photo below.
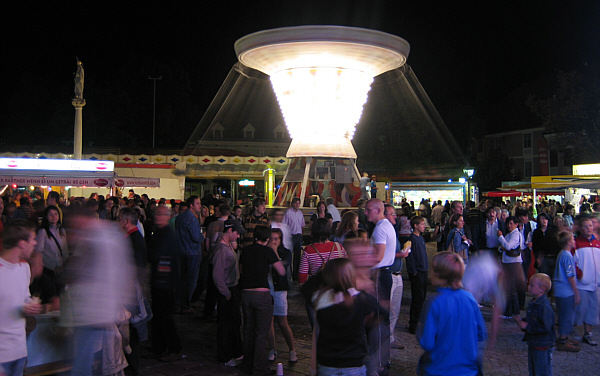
384 243
18 243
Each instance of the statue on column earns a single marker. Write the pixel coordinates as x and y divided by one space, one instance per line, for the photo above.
79 81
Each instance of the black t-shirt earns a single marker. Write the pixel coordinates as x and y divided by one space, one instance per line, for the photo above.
43 286
255 262
342 340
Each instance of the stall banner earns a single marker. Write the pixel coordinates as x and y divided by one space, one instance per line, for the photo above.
80 181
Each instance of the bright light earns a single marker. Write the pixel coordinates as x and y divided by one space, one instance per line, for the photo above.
321 76
246 183
449 180
462 180
31 187
321 103
14 186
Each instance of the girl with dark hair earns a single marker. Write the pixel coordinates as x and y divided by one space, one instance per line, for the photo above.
320 213
343 316
52 242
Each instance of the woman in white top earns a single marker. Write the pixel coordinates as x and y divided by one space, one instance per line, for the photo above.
52 242
514 278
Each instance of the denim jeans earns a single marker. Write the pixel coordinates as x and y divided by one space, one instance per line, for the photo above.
349 371
566 314
540 362
14 367
190 269
258 313
87 341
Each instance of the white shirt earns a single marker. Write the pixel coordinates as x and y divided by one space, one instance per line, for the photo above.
384 233
294 219
335 214
491 234
14 291
512 241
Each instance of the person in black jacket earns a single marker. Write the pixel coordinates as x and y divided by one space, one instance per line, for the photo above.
163 253
485 233
417 267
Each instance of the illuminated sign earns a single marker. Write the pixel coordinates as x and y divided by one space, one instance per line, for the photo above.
56 164
246 183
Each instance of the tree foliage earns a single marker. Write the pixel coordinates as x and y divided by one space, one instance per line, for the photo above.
573 111
493 169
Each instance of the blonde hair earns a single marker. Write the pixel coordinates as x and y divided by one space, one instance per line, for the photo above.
543 280
449 267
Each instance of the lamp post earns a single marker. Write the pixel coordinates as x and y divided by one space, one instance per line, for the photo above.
154 109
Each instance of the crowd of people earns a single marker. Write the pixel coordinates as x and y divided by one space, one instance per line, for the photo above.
119 268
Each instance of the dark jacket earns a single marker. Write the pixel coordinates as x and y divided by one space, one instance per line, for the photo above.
189 233
417 258
540 323
544 243
479 233
163 252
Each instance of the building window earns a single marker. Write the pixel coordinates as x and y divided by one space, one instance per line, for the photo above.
528 169
527 140
553 158
217 130
568 158
248 131
496 144
280 132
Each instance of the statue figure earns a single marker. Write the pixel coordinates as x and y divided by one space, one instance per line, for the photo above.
79 80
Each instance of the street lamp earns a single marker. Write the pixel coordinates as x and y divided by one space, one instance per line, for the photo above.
154 109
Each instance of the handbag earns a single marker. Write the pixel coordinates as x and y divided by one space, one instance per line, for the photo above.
516 252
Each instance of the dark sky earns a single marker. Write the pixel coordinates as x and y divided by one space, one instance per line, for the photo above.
465 53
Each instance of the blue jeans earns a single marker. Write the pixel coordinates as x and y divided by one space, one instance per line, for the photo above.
87 341
540 362
348 371
14 367
190 268
566 315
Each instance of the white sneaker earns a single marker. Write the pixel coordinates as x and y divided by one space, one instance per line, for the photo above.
272 355
233 362
293 356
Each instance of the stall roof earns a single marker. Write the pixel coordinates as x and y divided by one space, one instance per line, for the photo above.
557 182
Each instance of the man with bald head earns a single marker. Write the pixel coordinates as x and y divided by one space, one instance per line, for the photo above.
384 243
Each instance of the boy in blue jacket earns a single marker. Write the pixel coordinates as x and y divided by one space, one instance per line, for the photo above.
539 326
453 317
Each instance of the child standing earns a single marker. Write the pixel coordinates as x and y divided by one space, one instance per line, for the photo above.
539 326
565 292
453 317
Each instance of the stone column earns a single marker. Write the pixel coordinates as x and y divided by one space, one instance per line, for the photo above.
78 103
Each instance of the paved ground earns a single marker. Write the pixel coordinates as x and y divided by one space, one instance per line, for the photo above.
508 358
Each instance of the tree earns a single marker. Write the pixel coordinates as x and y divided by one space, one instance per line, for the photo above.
573 111
493 169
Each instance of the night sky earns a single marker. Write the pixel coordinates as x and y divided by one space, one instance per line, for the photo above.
467 55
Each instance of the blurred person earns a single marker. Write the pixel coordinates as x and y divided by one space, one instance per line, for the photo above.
483 279
24 210
504 213
344 316
236 213
417 267
52 243
452 317
128 219
255 262
362 217
190 236
204 213
99 279
18 243
568 215
257 217
279 287
294 219
163 254
225 276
